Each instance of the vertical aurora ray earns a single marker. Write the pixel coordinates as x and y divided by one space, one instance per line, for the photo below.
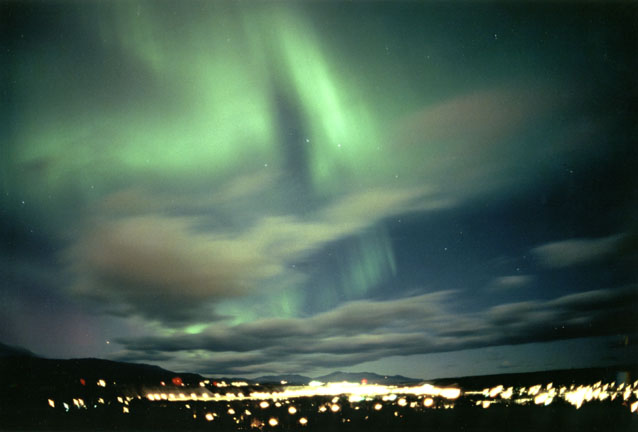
206 102
342 139
368 261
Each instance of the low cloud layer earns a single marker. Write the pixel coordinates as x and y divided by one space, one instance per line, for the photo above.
370 330
577 251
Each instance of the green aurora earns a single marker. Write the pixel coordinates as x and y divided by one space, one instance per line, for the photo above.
178 173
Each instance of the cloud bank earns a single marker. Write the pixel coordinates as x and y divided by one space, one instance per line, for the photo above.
368 330
169 269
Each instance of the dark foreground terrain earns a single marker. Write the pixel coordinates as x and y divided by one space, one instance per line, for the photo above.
146 415
47 395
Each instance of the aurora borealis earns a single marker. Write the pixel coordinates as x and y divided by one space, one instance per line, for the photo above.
247 188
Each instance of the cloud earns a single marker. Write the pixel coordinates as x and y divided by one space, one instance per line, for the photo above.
577 251
139 200
467 140
174 269
586 314
368 330
509 282
495 140
480 117
337 333
156 266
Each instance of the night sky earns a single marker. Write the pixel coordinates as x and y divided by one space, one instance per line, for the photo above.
246 188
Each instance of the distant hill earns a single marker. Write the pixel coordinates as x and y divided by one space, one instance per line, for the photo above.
12 351
371 378
23 372
292 379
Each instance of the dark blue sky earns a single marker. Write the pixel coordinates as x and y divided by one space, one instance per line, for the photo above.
229 188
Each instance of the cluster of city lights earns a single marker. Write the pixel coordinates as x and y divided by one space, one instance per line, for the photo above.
334 397
546 394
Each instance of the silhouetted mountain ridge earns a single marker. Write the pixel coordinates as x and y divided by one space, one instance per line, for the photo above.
369 377
21 369
13 351
293 379
25 372
338 376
